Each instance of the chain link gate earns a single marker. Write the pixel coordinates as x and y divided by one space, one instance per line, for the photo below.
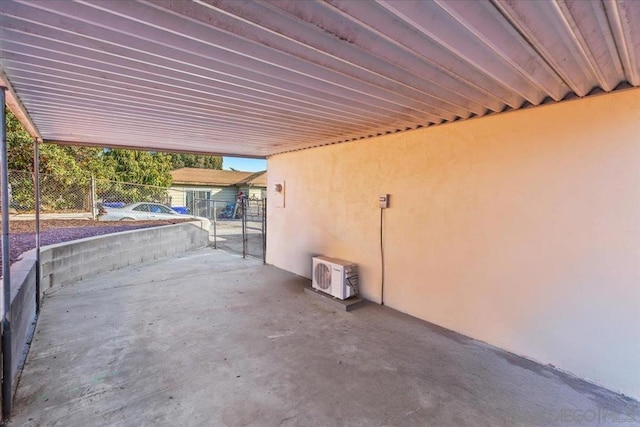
238 226
254 228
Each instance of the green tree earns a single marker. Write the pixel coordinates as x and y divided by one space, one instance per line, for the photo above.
140 167
151 169
94 162
195 161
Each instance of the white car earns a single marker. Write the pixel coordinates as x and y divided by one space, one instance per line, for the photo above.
145 211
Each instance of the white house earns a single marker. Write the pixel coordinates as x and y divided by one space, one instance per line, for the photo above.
223 186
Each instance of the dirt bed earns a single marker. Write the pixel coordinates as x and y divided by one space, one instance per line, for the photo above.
22 232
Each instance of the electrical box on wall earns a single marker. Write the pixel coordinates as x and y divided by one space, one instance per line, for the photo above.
383 199
277 194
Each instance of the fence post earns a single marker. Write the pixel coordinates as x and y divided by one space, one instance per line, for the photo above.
93 197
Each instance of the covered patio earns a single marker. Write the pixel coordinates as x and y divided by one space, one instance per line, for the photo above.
505 133
209 338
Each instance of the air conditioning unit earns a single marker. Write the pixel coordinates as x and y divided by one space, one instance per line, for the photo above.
336 277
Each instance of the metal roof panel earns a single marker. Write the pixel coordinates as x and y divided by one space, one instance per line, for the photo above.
255 78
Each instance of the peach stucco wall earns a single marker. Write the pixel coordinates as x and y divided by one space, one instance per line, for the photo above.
520 229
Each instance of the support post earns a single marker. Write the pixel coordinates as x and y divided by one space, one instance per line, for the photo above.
215 225
36 188
93 198
244 226
264 230
6 278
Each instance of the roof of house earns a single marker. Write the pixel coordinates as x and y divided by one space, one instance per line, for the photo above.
223 178
258 179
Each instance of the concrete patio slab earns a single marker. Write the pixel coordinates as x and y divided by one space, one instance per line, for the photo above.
346 305
208 338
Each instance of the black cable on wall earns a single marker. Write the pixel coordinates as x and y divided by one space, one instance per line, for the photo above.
382 255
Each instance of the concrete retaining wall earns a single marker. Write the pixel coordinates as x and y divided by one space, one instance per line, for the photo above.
68 262
23 307
71 261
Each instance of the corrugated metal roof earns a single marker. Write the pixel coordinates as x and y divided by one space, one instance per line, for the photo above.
262 77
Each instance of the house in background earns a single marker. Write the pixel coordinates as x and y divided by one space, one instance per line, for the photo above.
191 185
254 187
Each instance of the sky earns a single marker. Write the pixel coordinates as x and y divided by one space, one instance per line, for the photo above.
245 165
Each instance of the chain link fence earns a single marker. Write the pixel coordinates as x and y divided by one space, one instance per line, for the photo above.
56 195
239 225
116 194
83 195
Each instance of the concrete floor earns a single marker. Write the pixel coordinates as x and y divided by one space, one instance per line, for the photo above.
211 339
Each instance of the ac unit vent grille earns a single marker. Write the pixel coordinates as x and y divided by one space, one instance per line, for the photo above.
323 276
334 277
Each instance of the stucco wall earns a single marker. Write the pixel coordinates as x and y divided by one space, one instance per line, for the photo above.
520 229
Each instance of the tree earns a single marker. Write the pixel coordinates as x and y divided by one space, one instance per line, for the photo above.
151 169
140 167
195 161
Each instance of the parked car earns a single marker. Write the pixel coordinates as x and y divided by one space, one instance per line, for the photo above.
142 211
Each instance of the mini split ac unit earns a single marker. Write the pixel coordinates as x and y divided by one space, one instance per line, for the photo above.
336 277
